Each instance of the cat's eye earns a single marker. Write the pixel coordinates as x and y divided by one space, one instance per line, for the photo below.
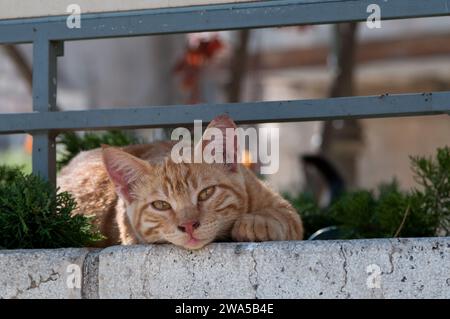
161 205
206 193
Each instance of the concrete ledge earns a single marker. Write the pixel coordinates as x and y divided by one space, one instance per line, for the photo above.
403 268
40 273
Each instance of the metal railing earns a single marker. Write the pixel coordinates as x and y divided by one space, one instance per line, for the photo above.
49 33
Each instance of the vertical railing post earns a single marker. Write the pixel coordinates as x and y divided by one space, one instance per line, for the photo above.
45 55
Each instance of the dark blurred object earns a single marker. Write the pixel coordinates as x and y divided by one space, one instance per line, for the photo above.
20 62
342 139
323 179
238 66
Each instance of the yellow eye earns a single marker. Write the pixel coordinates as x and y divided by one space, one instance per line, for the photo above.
206 193
161 205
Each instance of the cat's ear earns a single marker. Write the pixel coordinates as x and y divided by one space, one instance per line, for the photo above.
123 169
221 141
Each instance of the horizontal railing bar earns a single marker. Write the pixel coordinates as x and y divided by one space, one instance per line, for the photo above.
242 113
215 17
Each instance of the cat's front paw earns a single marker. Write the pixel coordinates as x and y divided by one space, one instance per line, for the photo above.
257 228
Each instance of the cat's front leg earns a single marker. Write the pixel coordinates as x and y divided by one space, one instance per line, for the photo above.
265 227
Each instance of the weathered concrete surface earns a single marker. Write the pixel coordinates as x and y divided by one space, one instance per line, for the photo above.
220 270
41 273
403 268
417 268
413 268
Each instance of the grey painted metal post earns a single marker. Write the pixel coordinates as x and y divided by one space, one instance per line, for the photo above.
45 55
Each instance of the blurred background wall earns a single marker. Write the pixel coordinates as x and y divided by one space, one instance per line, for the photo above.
268 64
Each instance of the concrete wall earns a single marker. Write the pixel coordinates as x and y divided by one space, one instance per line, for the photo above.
387 143
405 268
12 9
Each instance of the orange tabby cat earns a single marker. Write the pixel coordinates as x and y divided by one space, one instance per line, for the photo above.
139 195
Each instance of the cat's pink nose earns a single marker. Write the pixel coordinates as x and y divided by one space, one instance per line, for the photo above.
189 227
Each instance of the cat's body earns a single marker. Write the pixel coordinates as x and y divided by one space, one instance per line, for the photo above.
86 178
139 195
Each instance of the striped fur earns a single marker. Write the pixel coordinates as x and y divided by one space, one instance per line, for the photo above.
241 208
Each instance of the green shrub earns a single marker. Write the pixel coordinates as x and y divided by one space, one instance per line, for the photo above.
34 215
433 178
313 217
9 173
389 212
403 214
354 213
73 143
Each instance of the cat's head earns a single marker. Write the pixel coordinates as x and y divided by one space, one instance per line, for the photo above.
187 204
